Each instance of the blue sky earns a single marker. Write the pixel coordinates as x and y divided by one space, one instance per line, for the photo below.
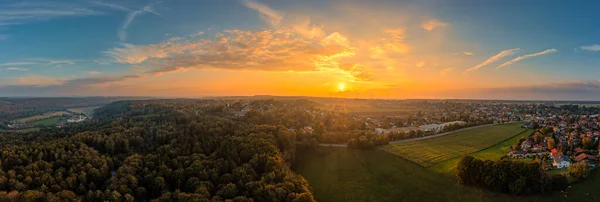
409 49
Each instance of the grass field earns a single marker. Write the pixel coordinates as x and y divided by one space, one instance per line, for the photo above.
436 150
359 175
47 122
494 152
42 116
83 110
376 175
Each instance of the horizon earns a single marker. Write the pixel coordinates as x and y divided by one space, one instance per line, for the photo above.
405 49
299 97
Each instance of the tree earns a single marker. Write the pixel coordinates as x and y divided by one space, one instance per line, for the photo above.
579 170
551 143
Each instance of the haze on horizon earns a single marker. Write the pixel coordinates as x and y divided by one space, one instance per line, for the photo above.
533 50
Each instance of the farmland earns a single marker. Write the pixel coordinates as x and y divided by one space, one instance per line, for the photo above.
492 153
42 116
358 175
47 122
433 151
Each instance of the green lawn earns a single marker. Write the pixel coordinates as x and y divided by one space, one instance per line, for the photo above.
47 122
494 152
376 175
436 150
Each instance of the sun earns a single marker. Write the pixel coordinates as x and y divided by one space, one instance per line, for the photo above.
341 86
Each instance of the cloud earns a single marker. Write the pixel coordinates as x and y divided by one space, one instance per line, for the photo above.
94 72
112 6
594 47
122 31
271 16
420 64
3 37
50 86
37 80
16 69
26 12
268 50
492 59
433 24
570 90
58 62
468 53
526 57
445 71
17 64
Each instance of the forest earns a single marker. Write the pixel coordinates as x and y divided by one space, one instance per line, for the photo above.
159 150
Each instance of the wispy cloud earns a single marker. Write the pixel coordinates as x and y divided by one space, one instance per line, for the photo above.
94 72
58 62
17 64
494 58
26 12
3 37
420 64
16 69
445 71
112 6
131 15
594 47
271 16
526 57
468 53
433 24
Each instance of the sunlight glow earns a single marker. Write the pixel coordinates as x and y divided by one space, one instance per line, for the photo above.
341 87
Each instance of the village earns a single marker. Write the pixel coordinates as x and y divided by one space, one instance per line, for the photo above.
560 139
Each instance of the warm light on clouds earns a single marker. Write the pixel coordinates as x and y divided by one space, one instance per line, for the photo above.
526 57
433 24
494 58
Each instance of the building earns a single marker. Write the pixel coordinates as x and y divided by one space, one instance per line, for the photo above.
76 119
561 161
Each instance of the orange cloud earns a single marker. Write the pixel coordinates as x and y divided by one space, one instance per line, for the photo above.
433 24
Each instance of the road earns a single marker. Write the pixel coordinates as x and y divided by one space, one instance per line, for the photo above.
415 139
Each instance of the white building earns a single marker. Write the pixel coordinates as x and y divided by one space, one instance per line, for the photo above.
561 161
76 119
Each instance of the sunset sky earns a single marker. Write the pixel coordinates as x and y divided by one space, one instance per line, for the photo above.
397 49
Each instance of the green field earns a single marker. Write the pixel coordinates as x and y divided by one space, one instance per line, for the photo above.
375 175
495 152
42 116
436 150
83 110
359 175
47 122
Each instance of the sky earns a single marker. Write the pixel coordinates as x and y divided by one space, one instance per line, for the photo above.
438 49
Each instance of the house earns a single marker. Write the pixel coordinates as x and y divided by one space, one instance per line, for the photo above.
307 129
585 158
578 150
517 154
561 161
76 119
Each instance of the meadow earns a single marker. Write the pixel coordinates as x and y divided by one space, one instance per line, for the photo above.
376 175
436 150
494 152
83 110
47 122
42 116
